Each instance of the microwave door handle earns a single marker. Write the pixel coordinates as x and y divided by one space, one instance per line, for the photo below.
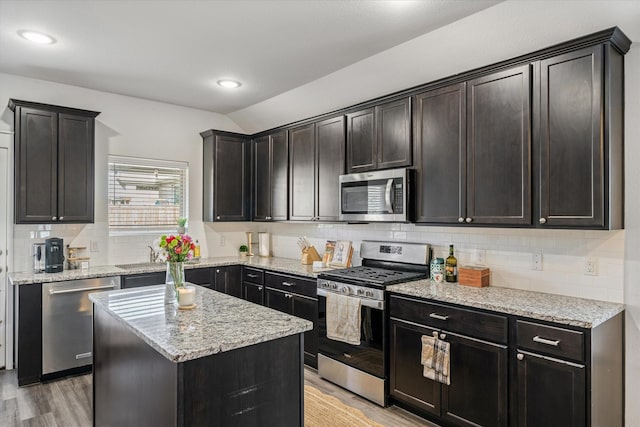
387 196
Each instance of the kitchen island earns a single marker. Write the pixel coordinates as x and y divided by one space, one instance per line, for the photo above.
226 362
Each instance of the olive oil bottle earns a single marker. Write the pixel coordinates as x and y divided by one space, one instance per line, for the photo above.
451 267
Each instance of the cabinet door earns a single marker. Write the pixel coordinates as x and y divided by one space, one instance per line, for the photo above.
279 176
478 392
302 193
441 144
550 392
220 279
234 280
253 293
200 276
407 384
361 141
330 155
261 179
278 300
499 147
230 180
36 164
571 144
75 168
307 308
393 134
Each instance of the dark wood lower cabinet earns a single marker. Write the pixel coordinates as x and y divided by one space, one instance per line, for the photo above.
299 306
228 279
29 333
551 392
143 279
253 292
200 276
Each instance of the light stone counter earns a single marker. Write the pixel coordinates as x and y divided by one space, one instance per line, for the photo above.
219 323
280 265
584 313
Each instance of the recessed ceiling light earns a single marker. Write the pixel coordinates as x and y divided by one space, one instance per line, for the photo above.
229 84
36 37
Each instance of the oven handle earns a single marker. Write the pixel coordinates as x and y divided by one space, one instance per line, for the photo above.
370 303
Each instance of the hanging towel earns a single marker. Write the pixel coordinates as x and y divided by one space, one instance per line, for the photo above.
435 359
343 318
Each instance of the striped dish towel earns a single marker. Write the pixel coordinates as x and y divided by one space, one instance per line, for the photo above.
435 359
343 318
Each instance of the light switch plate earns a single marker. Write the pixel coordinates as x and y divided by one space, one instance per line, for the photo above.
536 261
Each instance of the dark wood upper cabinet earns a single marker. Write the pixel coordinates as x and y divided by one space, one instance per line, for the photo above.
440 136
499 148
54 163
226 176
270 177
379 137
330 142
316 162
581 109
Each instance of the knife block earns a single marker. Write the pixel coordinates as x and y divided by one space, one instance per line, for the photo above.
309 255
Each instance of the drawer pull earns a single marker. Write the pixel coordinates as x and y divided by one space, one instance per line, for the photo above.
520 356
253 276
288 284
546 341
438 316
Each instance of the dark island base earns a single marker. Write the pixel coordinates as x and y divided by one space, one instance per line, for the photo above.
133 384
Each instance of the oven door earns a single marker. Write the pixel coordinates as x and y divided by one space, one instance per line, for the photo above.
369 355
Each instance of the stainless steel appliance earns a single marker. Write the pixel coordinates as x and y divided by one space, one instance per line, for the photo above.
54 255
362 368
375 196
67 322
38 258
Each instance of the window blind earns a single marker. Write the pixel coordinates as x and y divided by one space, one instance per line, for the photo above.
146 193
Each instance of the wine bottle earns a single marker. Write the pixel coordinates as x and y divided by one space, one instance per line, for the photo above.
451 267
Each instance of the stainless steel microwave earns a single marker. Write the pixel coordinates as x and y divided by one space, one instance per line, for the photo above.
374 196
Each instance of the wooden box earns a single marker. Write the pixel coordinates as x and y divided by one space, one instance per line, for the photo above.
473 276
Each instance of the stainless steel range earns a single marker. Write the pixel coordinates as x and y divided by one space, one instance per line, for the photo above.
363 368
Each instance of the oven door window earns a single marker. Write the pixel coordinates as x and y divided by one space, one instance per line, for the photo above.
369 355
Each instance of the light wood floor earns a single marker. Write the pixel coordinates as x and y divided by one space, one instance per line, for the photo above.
67 403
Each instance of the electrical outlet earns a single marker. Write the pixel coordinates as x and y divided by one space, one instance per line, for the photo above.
479 257
590 267
536 261
223 241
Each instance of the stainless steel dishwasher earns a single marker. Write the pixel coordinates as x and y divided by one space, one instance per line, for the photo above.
67 322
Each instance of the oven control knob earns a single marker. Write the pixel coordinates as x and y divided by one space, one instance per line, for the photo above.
334 286
368 294
360 291
345 290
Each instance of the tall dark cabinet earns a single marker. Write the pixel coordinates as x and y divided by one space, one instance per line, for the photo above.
473 147
580 137
316 162
379 137
226 176
54 163
270 177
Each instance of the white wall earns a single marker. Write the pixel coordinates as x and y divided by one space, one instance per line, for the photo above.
126 126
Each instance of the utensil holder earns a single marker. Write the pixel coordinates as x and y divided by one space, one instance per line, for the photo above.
309 255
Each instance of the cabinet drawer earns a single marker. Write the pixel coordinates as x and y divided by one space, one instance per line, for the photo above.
292 284
253 275
199 276
551 340
468 322
144 279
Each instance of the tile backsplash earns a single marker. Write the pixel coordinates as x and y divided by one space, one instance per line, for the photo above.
507 252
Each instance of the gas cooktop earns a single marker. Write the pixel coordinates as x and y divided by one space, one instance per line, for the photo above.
378 277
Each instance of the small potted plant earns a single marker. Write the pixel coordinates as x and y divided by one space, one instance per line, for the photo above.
181 225
244 250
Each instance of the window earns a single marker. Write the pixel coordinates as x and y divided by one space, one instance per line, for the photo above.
146 194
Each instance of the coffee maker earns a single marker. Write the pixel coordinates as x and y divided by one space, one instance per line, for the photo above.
53 255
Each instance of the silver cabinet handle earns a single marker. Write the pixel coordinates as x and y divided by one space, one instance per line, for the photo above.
520 356
288 284
443 336
61 218
259 288
217 270
542 220
218 217
53 218
461 219
83 355
69 291
468 220
438 316
541 340
288 295
253 276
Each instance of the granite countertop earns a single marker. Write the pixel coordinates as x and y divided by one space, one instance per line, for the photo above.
219 322
584 313
281 265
